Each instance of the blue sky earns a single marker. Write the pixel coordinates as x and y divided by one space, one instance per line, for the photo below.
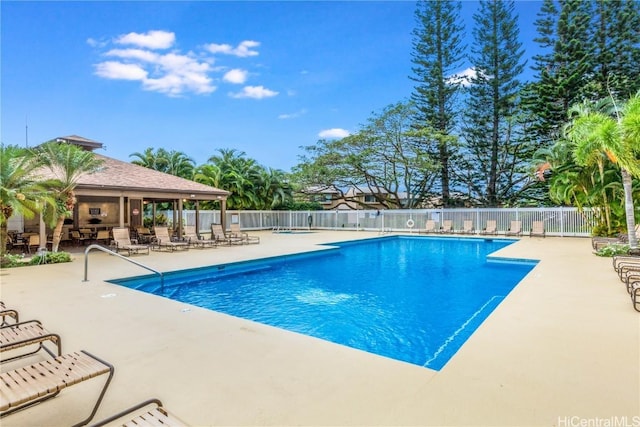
260 77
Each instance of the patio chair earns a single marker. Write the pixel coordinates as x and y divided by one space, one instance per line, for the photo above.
163 241
490 228
221 237
196 241
7 312
157 416
26 335
78 238
33 242
429 227
537 229
467 227
515 229
124 243
28 385
103 236
447 226
246 238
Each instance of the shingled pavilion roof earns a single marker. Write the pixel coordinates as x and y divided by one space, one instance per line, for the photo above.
116 174
120 176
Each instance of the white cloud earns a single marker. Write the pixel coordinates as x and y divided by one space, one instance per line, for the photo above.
255 92
293 115
140 57
236 76
465 77
171 73
150 39
119 71
140 54
334 133
242 50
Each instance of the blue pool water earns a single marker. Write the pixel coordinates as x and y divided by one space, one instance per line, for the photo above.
415 299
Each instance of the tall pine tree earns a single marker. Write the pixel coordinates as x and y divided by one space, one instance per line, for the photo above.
437 55
494 150
616 41
563 71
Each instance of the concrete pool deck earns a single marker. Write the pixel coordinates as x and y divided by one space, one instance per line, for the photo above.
561 350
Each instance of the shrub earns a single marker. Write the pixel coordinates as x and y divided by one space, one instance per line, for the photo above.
613 249
10 261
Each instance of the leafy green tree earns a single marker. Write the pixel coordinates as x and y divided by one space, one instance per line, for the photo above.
67 163
20 191
494 151
386 157
437 54
598 137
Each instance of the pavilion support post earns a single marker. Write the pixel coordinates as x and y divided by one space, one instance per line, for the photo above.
223 213
121 218
197 217
179 228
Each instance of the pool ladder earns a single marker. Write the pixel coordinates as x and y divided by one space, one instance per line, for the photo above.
110 252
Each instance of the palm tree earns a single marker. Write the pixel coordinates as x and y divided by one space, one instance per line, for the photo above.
598 136
68 163
19 191
150 160
179 164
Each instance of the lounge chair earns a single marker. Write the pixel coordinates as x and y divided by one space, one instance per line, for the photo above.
196 241
144 234
7 312
27 385
246 238
124 243
157 416
537 229
430 227
625 265
490 228
634 291
467 227
27 334
163 241
515 229
599 242
447 226
221 237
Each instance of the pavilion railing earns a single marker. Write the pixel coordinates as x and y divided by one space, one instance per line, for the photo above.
559 221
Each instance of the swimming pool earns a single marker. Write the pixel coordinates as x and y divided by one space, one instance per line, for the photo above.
414 299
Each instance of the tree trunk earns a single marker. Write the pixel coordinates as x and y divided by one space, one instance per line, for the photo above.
57 234
628 209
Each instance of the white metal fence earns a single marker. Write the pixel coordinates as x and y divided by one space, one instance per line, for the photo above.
557 221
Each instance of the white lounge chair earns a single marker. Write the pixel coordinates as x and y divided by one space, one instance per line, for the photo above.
124 243
163 241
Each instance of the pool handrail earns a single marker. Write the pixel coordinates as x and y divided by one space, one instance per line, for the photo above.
110 252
